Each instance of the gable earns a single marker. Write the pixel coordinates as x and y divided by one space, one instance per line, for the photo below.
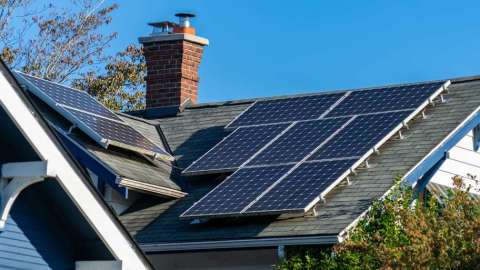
45 145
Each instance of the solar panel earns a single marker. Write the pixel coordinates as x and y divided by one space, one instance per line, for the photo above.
360 135
286 110
321 151
385 99
298 141
65 96
91 117
114 133
302 187
235 149
235 193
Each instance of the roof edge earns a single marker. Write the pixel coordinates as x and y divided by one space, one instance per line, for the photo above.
327 239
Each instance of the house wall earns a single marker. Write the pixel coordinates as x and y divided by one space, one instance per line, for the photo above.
34 239
462 161
251 259
45 231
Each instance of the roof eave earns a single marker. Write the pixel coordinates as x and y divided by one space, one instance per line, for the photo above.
329 239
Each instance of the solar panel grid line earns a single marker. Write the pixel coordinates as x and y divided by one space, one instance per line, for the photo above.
370 113
190 170
334 105
96 115
332 159
268 165
298 164
239 115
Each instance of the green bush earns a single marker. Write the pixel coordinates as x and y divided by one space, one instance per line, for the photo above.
399 234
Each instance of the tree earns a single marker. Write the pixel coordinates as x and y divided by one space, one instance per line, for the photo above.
399 234
121 87
67 45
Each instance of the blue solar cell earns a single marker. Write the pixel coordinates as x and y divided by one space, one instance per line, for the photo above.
298 141
286 110
235 149
70 97
237 191
360 135
296 191
115 132
385 99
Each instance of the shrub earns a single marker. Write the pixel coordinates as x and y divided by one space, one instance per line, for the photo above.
400 232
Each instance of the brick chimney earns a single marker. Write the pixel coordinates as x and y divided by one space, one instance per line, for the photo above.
173 53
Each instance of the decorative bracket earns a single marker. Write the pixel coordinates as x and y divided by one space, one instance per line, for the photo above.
15 178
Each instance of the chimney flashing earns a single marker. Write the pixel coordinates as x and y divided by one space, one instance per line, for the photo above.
174 36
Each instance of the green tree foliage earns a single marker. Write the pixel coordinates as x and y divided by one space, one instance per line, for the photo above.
402 233
68 45
121 87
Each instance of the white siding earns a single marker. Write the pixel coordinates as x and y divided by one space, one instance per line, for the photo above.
462 161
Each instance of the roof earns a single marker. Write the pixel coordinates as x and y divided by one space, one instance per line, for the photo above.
197 128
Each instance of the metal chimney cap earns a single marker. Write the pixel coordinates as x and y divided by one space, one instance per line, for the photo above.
162 28
184 15
184 19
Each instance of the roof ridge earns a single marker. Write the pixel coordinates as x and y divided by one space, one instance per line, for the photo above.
323 92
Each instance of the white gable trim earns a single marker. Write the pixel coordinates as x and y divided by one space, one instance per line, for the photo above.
73 182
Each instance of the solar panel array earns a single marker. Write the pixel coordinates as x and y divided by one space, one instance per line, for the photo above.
91 117
311 152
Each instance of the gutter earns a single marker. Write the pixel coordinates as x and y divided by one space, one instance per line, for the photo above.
330 239
154 189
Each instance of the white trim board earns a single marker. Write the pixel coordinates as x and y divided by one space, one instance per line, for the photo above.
68 175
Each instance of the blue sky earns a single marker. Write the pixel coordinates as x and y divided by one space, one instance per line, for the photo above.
265 48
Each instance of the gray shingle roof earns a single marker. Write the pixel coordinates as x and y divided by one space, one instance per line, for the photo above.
198 128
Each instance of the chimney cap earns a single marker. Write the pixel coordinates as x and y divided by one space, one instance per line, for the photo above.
162 28
184 15
162 24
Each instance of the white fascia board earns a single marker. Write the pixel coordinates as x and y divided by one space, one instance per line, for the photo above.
103 222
